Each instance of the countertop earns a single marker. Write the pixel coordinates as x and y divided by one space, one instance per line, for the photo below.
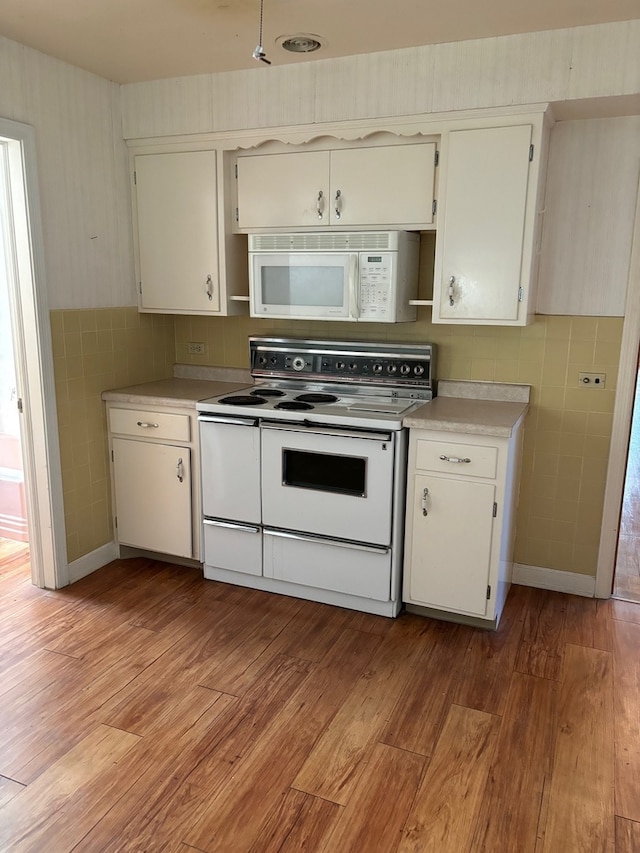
476 408
177 391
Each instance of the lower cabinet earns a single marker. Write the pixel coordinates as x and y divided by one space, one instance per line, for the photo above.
461 499
153 483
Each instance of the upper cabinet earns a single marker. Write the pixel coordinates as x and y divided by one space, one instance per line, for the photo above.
488 224
382 186
185 263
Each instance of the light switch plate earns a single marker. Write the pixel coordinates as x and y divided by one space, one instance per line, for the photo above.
592 380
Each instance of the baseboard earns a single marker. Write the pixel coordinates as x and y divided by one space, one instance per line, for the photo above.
569 582
88 563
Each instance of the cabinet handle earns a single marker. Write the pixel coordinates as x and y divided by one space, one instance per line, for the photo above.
147 424
320 204
338 204
180 470
209 287
425 495
452 281
454 459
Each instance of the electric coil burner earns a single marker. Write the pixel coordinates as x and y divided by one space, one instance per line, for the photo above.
304 472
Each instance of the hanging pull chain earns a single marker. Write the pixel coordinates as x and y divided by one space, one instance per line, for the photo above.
259 53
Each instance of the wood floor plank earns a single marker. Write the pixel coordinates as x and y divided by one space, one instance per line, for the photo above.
580 813
298 822
419 714
626 668
485 677
233 819
199 772
445 811
627 836
587 622
8 790
376 813
542 647
38 818
512 800
625 611
332 769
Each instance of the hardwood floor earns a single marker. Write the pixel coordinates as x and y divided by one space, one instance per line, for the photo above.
627 573
145 709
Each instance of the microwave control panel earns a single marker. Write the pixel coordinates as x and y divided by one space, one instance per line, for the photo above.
375 277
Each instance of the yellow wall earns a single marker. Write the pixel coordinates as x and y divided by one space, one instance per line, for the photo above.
567 433
94 350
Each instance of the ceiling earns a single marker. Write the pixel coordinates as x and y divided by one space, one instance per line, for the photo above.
131 41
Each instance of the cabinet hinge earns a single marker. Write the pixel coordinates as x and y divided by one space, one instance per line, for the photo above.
495 510
488 592
140 288
237 215
135 178
520 294
112 458
236 171
434 207
531 150
19 405
436 158
115 521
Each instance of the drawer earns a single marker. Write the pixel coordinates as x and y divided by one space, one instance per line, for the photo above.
234 547
150 424
451 457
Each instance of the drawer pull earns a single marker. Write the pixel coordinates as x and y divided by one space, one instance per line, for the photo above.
147 424
425 495
180 470
454 458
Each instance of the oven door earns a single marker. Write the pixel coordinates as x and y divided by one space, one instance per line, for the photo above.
330 482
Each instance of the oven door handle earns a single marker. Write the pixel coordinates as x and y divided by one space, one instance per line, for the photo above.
339 543
211 419
317 429
248 528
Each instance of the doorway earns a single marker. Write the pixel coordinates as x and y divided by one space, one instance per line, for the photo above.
29 416
626 582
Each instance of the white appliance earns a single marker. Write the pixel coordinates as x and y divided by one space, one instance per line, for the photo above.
367 276
304 473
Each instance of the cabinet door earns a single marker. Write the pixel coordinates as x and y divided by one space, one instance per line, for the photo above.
153 496
177 224
451 545
479 244
386 186
283 190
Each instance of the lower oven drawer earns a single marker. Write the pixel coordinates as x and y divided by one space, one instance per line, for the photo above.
323 564
236 547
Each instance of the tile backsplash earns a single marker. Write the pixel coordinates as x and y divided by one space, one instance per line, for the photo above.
567 430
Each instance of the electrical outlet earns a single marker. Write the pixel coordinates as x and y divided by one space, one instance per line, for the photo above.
195 348
592 380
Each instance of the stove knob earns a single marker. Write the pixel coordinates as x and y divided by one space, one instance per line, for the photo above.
298 363
404 369
340 365
262 360
353 366
377 367
418 370
391 368
274 359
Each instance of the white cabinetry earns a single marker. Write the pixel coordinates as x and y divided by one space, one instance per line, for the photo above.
155 479
461 498
390 186
488 224
184 262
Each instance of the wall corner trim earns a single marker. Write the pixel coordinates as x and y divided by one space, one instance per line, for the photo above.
569 582
92 561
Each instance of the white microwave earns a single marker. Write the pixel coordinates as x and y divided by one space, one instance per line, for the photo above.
366 276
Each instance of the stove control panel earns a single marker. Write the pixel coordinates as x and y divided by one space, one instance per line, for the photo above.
396 365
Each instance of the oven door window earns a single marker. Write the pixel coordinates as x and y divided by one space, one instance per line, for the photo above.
324 472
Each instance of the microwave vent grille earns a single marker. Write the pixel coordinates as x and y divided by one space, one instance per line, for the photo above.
324 241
